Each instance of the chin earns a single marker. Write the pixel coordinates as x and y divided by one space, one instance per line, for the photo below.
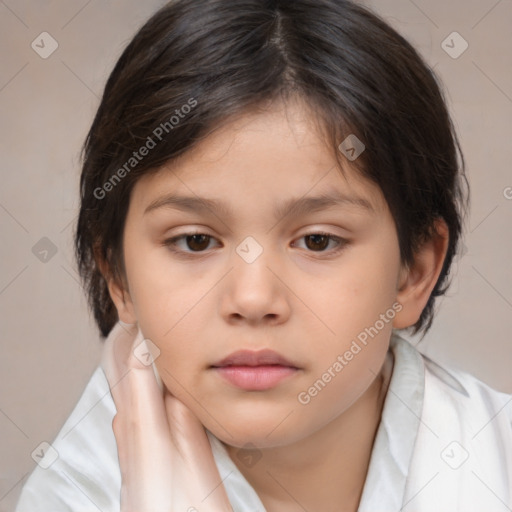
259 435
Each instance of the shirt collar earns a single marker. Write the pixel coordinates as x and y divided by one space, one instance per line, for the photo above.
392 451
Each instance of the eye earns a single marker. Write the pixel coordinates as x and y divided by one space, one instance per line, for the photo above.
197 242
317 242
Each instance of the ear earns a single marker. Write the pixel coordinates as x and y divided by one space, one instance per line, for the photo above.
118 291
416 282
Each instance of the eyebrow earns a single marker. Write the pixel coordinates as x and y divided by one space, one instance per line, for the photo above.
294 206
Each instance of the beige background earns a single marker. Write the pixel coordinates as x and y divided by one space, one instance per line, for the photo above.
49 343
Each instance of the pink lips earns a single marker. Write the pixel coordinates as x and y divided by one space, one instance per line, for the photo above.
255 371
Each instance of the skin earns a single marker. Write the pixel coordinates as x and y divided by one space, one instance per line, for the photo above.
151 454
299 298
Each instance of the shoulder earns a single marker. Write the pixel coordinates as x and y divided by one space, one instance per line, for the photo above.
463 447
81 467
446 386
471 394
467 415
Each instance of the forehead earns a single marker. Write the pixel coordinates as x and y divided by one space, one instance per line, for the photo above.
261 156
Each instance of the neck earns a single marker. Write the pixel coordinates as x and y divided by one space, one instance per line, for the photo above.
327 470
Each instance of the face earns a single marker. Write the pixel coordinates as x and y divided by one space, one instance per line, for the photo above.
309 283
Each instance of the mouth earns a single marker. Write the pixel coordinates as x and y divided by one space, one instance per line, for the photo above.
255 371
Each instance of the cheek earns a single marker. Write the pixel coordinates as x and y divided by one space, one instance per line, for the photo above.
357 306
182 356
335 390
170 312
165 293
354 292
345 364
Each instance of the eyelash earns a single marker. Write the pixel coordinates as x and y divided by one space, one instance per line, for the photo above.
171 243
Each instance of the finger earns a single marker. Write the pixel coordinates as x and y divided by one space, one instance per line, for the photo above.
190 440
113 365
140 426
128 355
138 392
187 431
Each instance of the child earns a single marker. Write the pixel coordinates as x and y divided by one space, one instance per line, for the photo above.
308 147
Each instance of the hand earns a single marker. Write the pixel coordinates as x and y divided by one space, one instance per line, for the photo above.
165 456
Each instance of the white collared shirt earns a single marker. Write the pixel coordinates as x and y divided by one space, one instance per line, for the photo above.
444 444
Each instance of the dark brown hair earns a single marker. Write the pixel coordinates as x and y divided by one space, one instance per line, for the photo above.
196 63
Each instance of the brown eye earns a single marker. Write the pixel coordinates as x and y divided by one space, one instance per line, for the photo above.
197 242
317 242
193 243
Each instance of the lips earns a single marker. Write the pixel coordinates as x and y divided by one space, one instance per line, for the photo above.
264 357
260 370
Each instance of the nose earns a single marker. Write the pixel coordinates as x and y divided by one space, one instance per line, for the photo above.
255 292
